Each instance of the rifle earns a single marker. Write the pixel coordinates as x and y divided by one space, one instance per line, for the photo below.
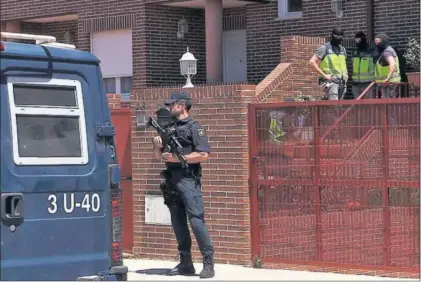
171 144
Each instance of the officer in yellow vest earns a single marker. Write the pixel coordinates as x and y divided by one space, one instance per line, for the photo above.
362 66
329 62
276 130
386 65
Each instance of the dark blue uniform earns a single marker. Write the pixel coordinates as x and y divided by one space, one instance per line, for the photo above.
188 190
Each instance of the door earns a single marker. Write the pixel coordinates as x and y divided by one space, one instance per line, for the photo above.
235 55
54 176
121 119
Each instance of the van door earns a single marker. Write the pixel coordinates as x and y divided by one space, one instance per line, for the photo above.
55 190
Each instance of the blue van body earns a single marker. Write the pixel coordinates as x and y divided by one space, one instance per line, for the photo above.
59 172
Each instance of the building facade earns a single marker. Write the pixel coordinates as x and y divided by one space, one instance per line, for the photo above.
140 42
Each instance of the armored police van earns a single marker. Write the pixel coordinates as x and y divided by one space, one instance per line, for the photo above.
60 193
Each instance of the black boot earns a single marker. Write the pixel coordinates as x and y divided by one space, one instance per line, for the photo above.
208 267
185 267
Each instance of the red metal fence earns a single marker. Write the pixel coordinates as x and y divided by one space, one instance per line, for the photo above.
338 184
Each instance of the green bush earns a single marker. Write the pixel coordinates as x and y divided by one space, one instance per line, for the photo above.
412 54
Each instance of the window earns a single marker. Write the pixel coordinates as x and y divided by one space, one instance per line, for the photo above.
119 85
290 9
109 84
126 84
48 122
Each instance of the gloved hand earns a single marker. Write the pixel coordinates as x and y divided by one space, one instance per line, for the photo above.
337 80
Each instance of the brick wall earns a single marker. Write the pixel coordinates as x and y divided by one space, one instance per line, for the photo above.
297 50
114 101
399 19
222 110
293 75
57 29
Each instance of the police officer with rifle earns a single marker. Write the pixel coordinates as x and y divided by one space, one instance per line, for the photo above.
182 144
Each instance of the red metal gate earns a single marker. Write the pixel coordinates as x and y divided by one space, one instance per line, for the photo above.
121 119
337 185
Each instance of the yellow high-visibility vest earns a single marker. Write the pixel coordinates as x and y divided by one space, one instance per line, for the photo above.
276 133
381 72
363 69
332 63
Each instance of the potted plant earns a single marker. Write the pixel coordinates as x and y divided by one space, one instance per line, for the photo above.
412 58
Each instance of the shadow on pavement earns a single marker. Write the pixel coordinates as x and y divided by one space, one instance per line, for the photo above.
157 271
154 271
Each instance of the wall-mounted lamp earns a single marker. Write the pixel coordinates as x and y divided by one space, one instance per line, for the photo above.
337 7
69 37
182 28
188 67
141 119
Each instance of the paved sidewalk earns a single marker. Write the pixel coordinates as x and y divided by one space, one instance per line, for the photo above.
141 270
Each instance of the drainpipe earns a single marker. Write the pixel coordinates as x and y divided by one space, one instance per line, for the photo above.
370 19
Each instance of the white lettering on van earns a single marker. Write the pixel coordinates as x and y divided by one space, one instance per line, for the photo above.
53 204
72 203
85 203
96 202
89 203
92 202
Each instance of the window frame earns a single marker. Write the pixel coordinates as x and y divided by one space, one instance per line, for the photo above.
45 110
117 81
283 13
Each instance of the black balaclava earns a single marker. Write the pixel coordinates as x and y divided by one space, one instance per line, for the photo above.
384 41
362 45
336 37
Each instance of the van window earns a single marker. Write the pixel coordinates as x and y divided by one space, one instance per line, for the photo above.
48 122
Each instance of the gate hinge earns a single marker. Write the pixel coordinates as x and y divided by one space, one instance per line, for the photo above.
105 131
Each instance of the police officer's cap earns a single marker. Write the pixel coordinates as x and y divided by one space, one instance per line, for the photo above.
176 96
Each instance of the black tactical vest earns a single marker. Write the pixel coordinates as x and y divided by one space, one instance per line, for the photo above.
184 135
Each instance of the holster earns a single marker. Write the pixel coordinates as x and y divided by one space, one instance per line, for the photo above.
168 194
